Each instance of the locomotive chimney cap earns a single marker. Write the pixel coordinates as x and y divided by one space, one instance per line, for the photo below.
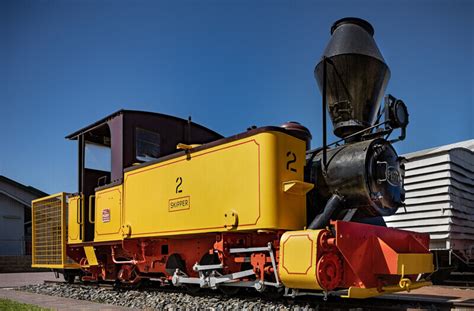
353 20
356 77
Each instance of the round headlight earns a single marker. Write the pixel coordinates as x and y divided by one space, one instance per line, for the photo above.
398 114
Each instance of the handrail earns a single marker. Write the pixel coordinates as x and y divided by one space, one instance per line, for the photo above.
79 211
90 209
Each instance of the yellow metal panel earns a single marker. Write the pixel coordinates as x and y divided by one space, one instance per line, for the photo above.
194 193
414 263
68 265
298 259
297 187
108 214
75 220
362 293
49 232
90 254
290 158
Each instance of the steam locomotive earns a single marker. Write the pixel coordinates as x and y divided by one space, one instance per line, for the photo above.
259 210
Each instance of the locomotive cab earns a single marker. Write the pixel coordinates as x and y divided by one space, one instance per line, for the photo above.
123 139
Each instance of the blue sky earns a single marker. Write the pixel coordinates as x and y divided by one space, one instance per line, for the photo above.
228 64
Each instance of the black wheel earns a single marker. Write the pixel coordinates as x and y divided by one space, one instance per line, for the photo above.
207 259
272 293
229 290
117 285
69 276
192 289
210 259
175 262
144 284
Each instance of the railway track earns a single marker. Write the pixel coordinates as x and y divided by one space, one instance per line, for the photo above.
459 284
387 302
97 285
460 280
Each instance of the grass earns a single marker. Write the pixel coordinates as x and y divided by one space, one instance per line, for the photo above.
10 305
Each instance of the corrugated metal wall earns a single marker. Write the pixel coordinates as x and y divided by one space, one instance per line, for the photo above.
439 188
11 227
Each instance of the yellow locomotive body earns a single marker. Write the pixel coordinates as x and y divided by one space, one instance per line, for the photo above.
176 201
244 184
236 204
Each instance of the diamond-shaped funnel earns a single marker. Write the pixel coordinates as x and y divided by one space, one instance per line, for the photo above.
356 76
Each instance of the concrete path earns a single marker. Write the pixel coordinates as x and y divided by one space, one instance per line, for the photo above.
20 279
11 280
56 303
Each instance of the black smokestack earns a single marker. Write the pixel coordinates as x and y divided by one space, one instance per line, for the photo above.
357 76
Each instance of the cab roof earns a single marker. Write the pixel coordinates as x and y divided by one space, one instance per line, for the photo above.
74 135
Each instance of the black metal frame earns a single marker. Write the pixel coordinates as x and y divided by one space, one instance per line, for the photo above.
325 60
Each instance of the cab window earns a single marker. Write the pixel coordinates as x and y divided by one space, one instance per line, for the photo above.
147 145
97 157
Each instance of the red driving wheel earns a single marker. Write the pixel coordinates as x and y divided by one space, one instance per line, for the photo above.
329 271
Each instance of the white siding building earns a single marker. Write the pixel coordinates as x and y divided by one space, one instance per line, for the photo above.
15 216
439 184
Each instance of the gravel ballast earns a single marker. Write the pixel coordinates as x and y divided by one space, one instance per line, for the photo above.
167 300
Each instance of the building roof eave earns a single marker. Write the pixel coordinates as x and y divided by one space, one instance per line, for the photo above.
15 198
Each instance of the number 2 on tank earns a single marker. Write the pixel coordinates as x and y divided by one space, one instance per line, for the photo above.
179 182
291 159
